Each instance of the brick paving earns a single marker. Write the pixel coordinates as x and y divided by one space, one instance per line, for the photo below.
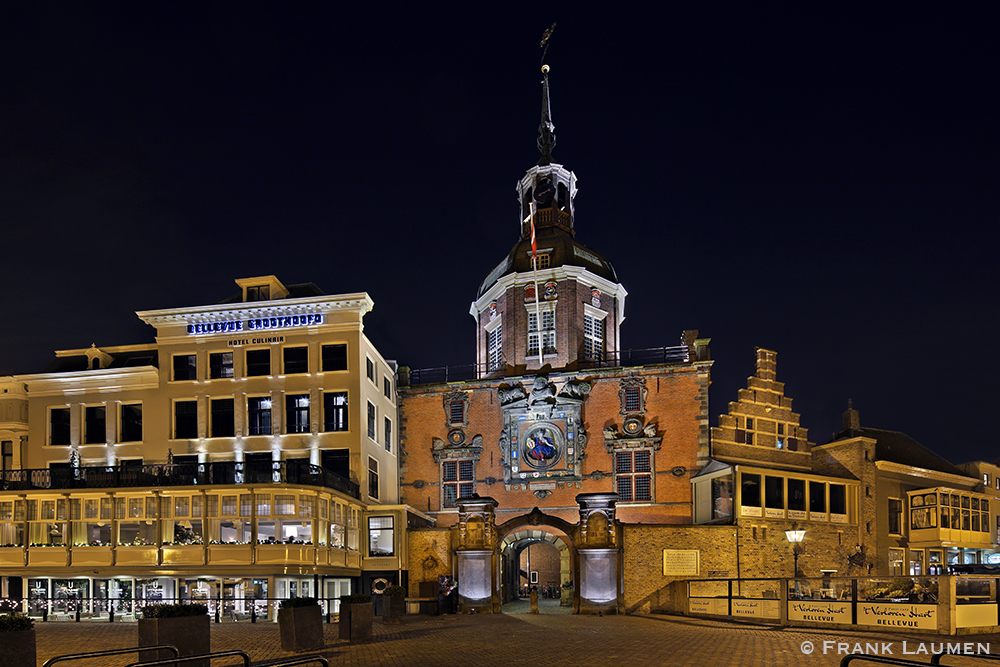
514 640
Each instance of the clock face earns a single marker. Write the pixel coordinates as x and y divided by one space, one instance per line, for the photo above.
543 192
993 559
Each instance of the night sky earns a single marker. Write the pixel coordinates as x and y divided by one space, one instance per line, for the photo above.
817 180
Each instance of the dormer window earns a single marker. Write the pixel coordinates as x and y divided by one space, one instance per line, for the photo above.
541 261
259 293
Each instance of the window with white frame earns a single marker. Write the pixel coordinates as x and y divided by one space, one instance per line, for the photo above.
494 347
371 421
547 333
458 480
593 338
634 475
388 435
380 536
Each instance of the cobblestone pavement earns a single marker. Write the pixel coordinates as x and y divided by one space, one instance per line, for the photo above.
485 640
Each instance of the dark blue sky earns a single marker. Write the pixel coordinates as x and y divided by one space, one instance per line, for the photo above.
822 181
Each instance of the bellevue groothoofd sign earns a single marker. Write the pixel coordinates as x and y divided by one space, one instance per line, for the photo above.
257 324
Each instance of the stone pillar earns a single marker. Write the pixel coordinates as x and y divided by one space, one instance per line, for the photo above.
476 558
599 555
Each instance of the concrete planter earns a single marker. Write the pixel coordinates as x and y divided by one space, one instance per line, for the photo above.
190 634
18 648
395 609
301 628
356 621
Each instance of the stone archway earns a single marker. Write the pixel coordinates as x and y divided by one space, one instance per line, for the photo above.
511 548
592 552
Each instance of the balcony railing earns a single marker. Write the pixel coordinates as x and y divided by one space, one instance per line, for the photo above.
179 474
642 357
624 358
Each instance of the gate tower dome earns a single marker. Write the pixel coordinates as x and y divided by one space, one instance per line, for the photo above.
577 312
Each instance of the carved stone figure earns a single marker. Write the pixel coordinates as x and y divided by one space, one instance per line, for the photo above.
542 391
575 390
510 394
610 432
649 431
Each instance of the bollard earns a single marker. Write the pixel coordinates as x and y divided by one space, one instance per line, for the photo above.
253 613
78 614
216 614
111 614
45 614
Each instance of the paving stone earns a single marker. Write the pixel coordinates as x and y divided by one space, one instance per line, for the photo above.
514 640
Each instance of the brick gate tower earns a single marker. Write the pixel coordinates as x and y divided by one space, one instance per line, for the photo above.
553 413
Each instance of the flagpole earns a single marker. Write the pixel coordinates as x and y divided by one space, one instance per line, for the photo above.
534 273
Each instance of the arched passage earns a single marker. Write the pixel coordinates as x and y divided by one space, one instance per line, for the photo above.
553 569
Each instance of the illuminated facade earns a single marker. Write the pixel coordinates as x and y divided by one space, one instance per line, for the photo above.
871 502
558 435
250 452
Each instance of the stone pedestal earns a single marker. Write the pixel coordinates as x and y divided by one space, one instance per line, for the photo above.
599 555
598 581
476 559
475 580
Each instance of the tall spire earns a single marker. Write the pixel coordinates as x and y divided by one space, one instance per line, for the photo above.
546 129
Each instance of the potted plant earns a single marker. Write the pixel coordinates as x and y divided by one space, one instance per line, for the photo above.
300 621
185 626
395 607
356 617
17 640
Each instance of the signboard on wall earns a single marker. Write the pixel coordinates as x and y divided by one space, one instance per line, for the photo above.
681 562
896 615
756 608
709 606
817 611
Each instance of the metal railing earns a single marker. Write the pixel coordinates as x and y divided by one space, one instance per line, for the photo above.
178 474
624 358
113 651
192 658
650 356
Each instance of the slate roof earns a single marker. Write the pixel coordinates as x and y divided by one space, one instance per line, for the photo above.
566 251
900 448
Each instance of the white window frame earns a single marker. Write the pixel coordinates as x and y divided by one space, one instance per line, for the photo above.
549 334
494 344
597 345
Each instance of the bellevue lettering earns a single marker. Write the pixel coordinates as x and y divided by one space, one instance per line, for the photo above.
256 324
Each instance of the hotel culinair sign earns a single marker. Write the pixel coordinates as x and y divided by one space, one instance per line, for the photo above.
257 324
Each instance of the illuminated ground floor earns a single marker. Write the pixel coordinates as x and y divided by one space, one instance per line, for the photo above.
227 597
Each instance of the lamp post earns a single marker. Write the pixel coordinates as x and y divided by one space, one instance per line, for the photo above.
795 536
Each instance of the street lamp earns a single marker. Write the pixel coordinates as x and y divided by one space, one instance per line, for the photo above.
795 536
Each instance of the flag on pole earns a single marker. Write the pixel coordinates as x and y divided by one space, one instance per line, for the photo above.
534 243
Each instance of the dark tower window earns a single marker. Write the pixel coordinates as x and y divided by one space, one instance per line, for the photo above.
259 293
